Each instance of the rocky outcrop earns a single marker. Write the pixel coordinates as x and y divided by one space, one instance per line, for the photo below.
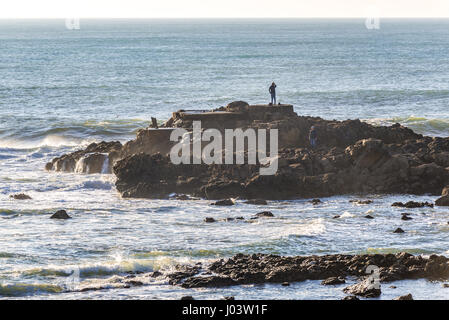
352 157
20 196
261 268
96 158
368 166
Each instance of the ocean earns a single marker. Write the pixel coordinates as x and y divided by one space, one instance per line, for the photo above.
61 89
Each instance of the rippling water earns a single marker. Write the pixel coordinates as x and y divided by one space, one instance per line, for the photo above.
62 89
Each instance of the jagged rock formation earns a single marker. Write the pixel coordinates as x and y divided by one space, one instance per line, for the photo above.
352 157
262 268
96 158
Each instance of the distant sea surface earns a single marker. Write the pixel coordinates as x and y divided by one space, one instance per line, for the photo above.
61 89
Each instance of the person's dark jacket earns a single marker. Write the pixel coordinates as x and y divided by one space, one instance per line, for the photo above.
312 134
273 89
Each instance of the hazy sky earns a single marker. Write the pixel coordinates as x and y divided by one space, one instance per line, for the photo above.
221 8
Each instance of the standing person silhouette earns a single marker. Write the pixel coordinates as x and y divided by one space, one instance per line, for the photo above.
272 91
313 137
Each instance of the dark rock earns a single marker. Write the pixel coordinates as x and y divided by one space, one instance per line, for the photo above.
393 287
20 196
333 281
262 268
258 202
398 230
209 220
443 201
336 217
364 289
316 201
226 202
135 283
406 297
239 218
412 204
405 217
369 217
229 298
187 298
265 214
60 214
155 274
445 285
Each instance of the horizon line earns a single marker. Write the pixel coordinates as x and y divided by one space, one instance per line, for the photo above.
216 18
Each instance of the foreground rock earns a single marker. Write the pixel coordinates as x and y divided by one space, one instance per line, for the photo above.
261 268
366 289
20 196
406 297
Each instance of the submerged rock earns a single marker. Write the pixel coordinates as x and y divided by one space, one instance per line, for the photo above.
398 230
20 196
316 201
226 202
405 217
209 220
258 202
60 214
333 281
265 214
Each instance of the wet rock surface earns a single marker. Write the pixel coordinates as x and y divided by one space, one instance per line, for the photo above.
353 157
60 214
333 269
412 204
20 196
96 158
366 289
